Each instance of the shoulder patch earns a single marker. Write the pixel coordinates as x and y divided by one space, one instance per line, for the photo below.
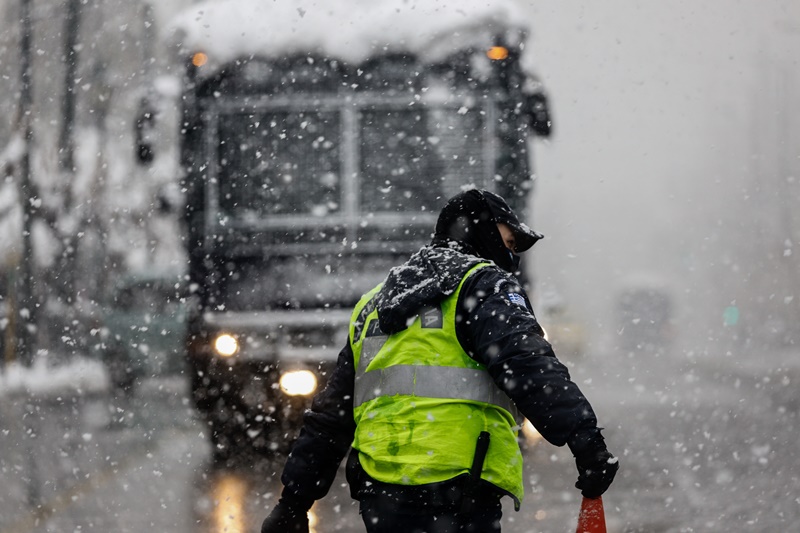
517 299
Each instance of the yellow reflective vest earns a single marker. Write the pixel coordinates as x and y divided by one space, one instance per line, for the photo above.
421 401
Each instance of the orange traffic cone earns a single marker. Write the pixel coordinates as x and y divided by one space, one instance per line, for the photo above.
592 518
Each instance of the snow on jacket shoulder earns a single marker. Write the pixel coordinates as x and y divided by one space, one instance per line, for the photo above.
428 277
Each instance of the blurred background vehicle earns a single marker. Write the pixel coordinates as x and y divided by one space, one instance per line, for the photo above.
143 327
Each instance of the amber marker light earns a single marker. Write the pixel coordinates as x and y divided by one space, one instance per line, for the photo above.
497 53
199 59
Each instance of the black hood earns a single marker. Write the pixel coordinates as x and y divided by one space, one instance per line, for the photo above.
427 278
471 218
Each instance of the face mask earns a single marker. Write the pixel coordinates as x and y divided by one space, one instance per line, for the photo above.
514 261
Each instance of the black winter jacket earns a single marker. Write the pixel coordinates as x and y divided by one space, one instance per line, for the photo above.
495 326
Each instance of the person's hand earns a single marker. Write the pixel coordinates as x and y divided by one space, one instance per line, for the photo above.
596 466
289 516
596 471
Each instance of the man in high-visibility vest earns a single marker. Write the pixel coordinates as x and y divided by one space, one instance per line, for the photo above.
442 359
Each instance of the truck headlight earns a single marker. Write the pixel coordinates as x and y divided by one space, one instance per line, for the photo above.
298 382
226 345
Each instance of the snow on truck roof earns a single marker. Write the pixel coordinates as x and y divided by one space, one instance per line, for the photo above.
340 29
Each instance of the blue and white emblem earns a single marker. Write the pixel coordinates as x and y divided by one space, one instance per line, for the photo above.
517 299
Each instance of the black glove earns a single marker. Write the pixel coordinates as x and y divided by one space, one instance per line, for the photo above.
290 515
596 466
595 473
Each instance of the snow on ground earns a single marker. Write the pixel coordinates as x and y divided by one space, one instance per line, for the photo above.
80 375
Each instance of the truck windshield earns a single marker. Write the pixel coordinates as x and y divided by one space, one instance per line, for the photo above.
335 192
279 164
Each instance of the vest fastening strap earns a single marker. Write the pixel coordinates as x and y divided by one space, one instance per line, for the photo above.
452 383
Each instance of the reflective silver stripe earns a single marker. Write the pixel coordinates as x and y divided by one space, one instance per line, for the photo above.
448 382
370 347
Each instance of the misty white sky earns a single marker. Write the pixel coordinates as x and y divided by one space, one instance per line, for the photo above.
651 170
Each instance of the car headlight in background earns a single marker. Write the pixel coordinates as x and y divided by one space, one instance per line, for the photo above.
298 382
544 333
226 345
529 432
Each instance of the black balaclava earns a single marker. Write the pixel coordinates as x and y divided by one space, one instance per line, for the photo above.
470 218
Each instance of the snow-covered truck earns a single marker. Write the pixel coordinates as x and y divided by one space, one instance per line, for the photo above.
318 143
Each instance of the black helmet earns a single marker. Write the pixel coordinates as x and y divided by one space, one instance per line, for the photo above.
471 218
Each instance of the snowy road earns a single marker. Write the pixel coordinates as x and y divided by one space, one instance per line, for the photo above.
704 447
707 442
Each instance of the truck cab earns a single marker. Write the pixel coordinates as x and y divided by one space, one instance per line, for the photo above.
308 174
